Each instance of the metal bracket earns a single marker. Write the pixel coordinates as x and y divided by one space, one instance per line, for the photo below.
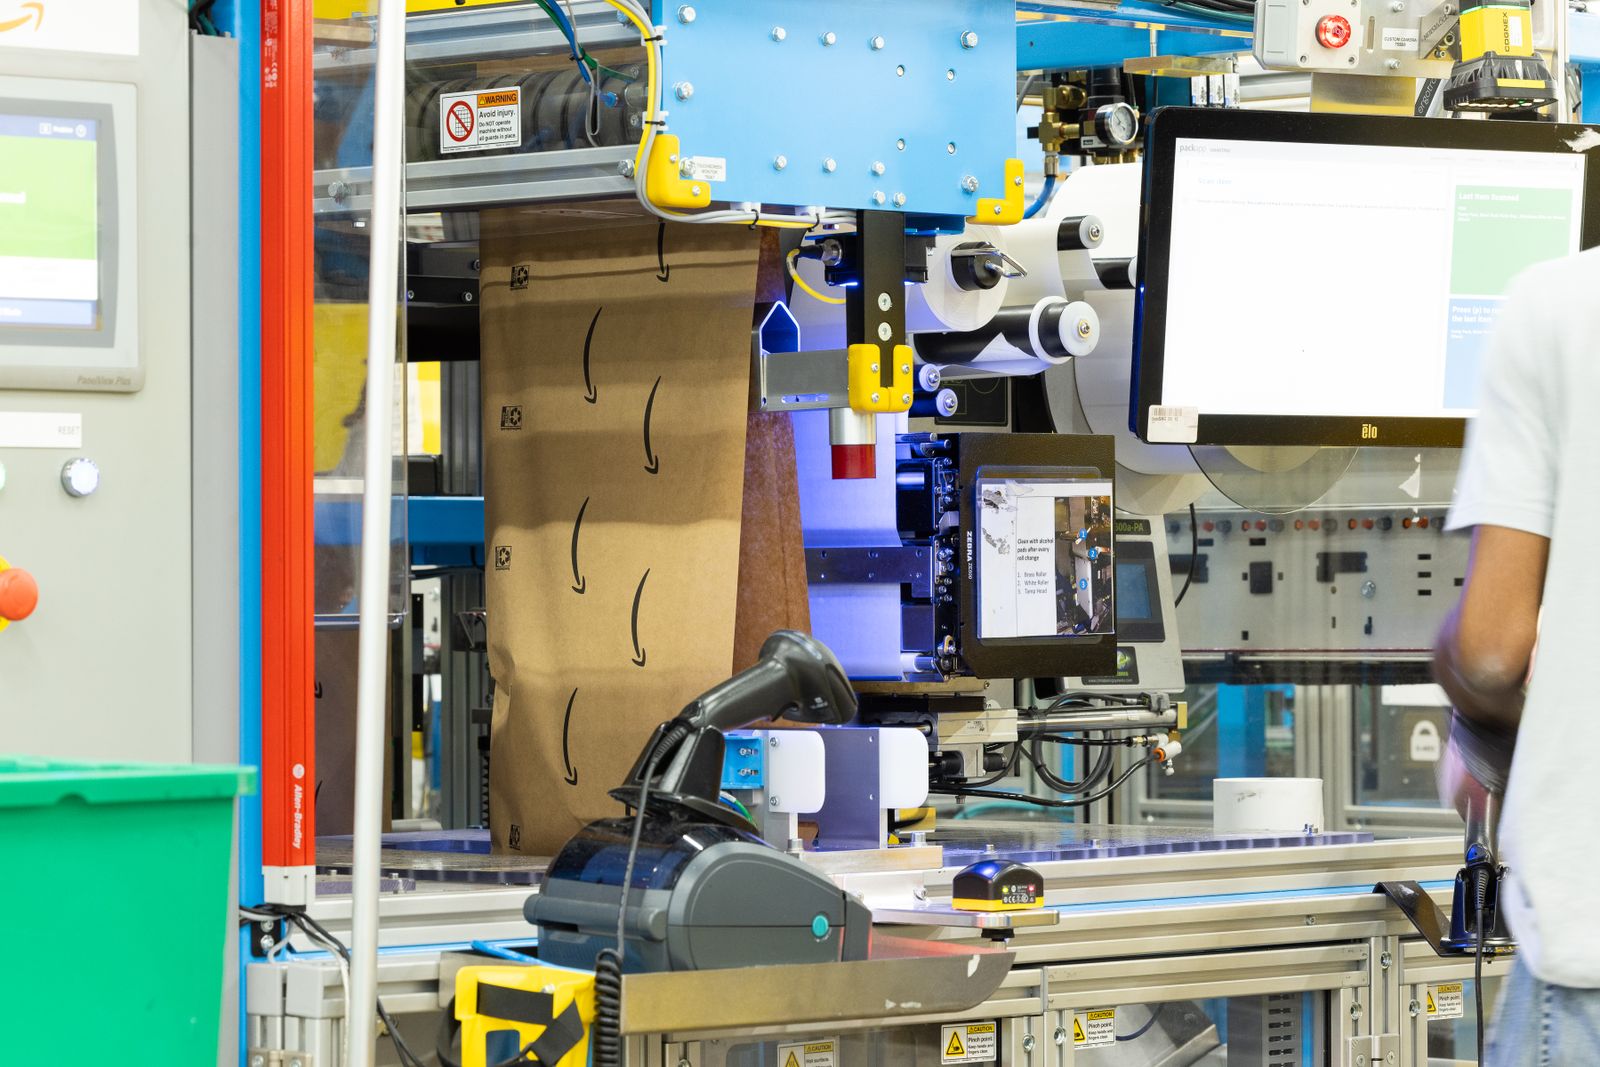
1436 30
1374 1050
897 565
277 1057
802 381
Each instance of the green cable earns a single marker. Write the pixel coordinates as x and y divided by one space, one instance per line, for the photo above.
582 53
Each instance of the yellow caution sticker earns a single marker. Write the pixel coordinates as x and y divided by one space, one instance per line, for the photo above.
820 1053
1445 1001
1094 1029
969 1043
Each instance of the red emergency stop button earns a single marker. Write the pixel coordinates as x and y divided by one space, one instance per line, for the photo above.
1333 31
19 594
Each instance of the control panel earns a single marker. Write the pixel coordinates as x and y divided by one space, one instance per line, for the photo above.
1400 38
95 382
1319 581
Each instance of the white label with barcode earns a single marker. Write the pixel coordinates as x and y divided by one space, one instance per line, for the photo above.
1173 425
1514 31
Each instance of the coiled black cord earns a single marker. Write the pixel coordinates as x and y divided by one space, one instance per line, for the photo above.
606 1035
1480 894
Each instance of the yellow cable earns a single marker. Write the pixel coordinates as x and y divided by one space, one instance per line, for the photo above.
801 282
651 81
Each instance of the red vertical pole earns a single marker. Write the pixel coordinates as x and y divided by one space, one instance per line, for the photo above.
288 724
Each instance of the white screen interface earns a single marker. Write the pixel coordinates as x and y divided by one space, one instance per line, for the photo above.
1350 280
1044 558
49 223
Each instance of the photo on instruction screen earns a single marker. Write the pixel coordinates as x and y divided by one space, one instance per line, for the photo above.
1044 558
1498 232
49 225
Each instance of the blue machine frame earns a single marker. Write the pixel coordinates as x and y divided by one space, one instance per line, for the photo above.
918 92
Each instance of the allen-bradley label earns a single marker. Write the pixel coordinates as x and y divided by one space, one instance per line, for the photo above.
1094 1029
968 1043
472 122
1445 1001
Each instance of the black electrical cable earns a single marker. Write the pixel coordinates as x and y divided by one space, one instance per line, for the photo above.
1097 773
1477 969
319 933
606 1037
1005 772
1046 802
1087 742
1194 555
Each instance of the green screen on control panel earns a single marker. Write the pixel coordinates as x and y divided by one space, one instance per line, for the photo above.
49 222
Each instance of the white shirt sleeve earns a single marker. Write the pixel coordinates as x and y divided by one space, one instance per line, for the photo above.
1509 470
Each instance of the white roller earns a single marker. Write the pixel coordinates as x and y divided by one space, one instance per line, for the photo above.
1102 381
1267 805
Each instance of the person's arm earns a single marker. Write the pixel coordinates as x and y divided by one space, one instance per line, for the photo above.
1506 493
1484 649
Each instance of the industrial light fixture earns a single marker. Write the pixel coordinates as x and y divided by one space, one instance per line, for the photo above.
1499 71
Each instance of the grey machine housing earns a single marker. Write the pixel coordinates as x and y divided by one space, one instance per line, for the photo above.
706 896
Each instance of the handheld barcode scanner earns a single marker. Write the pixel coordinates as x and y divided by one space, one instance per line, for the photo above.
686 872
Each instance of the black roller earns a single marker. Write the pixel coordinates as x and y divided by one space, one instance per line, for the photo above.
976 265
1115 273
1078 233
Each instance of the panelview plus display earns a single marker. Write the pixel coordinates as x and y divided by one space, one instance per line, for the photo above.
49 223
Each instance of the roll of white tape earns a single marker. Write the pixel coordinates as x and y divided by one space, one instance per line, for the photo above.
1267 805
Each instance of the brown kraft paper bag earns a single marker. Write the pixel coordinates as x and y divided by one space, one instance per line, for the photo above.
615 371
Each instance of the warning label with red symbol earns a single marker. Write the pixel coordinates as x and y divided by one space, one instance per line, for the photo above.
472 122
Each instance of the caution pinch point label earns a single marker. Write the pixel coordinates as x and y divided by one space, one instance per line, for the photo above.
1094 1029
1445 1001
969 1043
480 119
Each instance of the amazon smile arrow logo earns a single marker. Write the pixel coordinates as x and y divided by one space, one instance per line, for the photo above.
638 594
579 582
35 15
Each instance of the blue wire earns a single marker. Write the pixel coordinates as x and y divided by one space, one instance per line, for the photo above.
503 953
560 17
1044 197
1145 1029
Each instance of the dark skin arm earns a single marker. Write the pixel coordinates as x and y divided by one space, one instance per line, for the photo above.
1485 648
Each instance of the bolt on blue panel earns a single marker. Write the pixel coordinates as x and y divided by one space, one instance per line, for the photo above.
743 763
899 104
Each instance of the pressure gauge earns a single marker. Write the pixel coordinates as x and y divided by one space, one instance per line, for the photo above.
1116 124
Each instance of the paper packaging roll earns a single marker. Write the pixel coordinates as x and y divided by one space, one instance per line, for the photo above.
941 304
1266 805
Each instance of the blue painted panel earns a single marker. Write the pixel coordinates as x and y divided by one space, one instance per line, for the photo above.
1590 112
755 98
1077 45
744 764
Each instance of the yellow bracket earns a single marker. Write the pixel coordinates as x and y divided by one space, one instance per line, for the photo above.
664 181
868 394
1003 210
4 566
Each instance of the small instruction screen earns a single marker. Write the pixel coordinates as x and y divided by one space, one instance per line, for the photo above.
49 222
1350 280
1044 558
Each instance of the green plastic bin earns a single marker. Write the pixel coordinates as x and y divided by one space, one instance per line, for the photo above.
114 909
